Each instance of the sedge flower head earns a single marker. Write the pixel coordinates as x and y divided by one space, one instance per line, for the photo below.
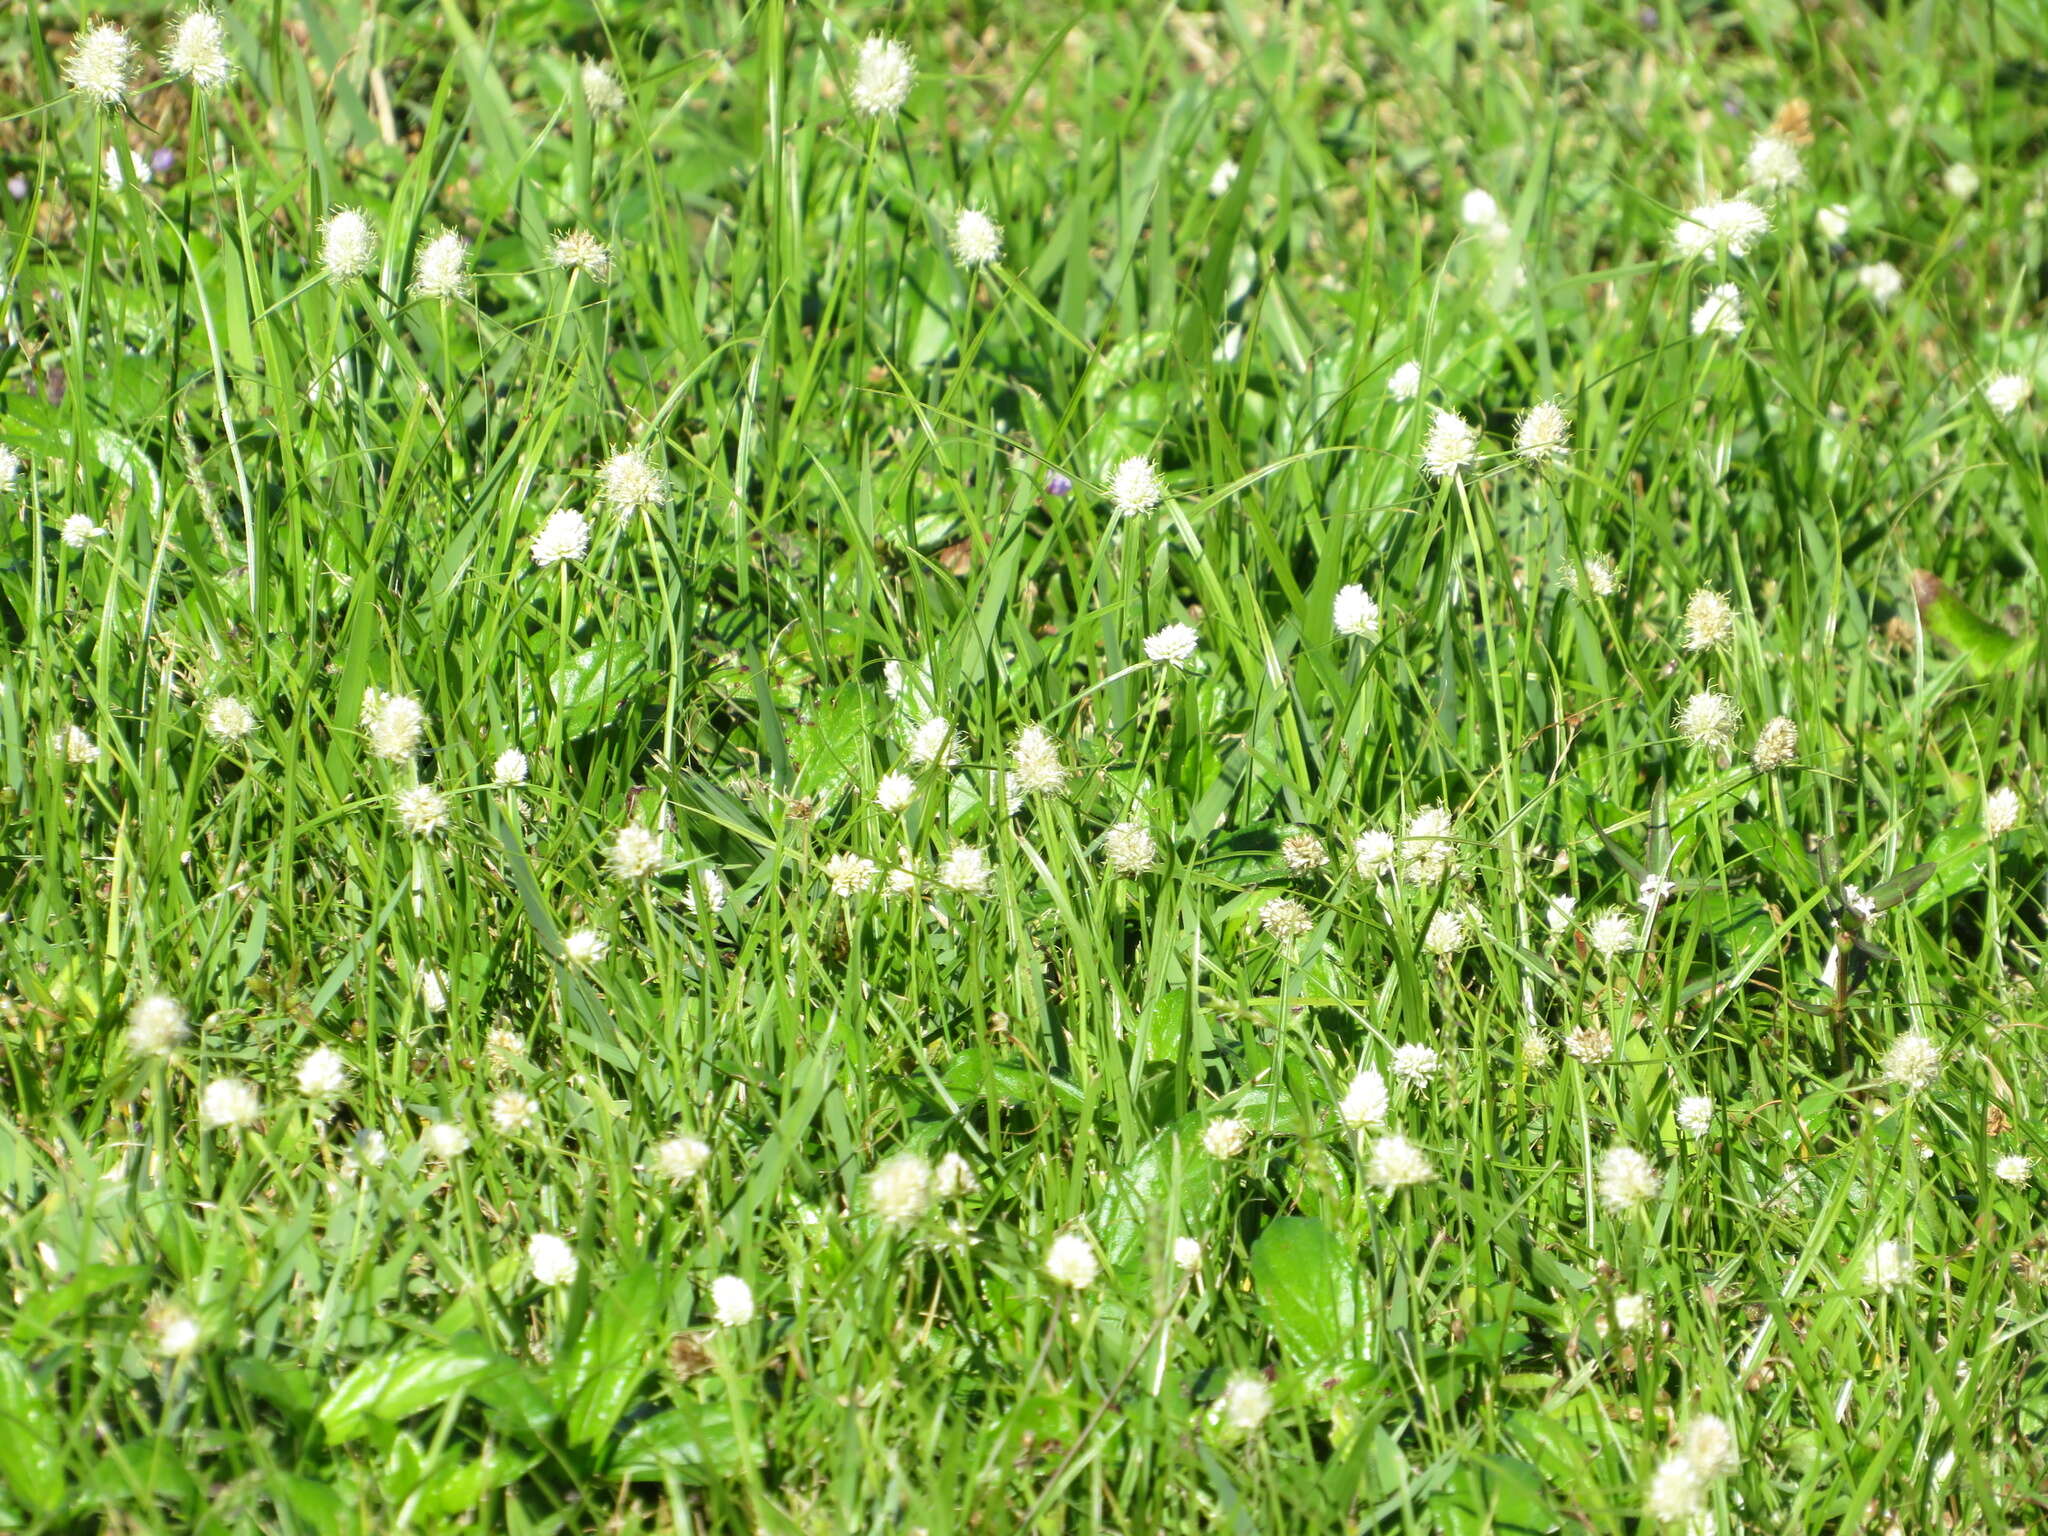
101 63
1695 1114
1187 1254
157 1025
441 270
1912 1061
553 1261
1416 1064
394 723
348 245
976 239
1364 1104
1720 312
585 946
79 530
1035 765
705 887
1773 162
1709 620
1303 853
509 769
1174 646
1286 920
1777 744
895 791
79 749
1544 434
1374 854
443 1140
1429 851
637 853
680 1158
433 985
1708 720
1355 614
1128 849
1243 1404
1611 934
1881 280
1627 1180
933 744
2014 1168
1397 1163
199 51
900 1190
1070 1261
1226 1136
1451 445
601 88
1832 220
564 537
966 869
1224 177
228 719
732 1302
848 874
954 1177
2007 392
1135 486
2001 811
883 73
1888 1267
627 482
581 254
322 1074
512 1112
1594 576
1405 381
229 1103
1961 181
422 810
174 1329
1711 231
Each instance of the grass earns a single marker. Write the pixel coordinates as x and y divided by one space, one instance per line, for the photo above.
304 491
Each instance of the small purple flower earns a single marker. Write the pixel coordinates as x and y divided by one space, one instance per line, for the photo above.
1057 484
162 161
1648 17
17 187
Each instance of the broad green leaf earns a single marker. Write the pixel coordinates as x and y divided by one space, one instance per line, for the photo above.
1310 1290
30 1457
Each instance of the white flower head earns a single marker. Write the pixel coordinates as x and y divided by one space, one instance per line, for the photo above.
1777 745
228 719
1709 621
1832 220
157 1025
1226 1136
933 744
1881 280
101 63
1559 911
229 1103
1173 646
2005 393
976 239
1355 614
1429 850
2014 1168
900 1190
1888 1267
78 747
1187 1254
2001 811
443 1140
512 1112
422 810
680 1158
848 874
966 869
1405 381
441 270
1711 231
585 946
601 89
1774 163
1912 1061
954 1177
348 245
883 73
1243 1404
1070 1261
322 1073
1374 854
1286 920
1544 434
1128 849
1035 766
1611 934
581 254
732 1302
1364 1105
1223 177
1961 181
637 853
1397 1163
509 769
1451 445
564 537
1708 720
1655 890
1720 312
199 51
1414 1065
1135 486
1627 1180
173 1328
705 887
552 1260
895 791
627 482
394 723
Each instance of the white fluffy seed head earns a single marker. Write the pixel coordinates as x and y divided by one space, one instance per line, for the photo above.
627 481
199 51
421 810
1451 445
1707 720
509 769
348 245
1035 766
1364 1104
441 270
553 1261
157 1025
965 869
101 63
1128 849
900 1190
1544 434
228 719
1397 1163
1135 486
601 88
848 874
636 854
1720 312
1709 621
1070 1261
581 254
976 239
1777 745
1611 934
564 537
1627 1180
895 791
883 73
1711 231
394 724
1695 1114
1912 1061
229 1104
322 1073
1354 613
1174 646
